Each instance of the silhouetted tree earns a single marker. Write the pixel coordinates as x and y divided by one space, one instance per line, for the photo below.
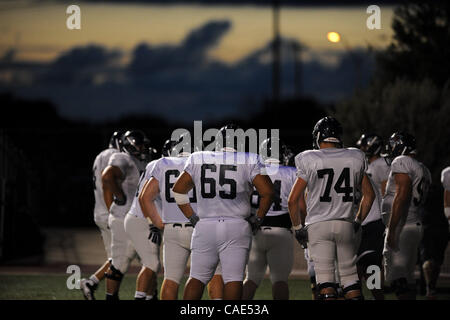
421 44
410 89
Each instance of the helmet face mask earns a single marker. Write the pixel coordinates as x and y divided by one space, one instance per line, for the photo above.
168 147
134 143
116 140
327 129
400 143
371 144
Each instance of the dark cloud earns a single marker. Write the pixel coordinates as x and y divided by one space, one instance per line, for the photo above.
191 53
200 40
80 65
178 82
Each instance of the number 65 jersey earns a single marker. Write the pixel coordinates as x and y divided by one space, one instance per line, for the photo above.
223 181
420 182
332 176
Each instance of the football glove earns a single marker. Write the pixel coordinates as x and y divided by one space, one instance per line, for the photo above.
302 237
255 223
120 202
155 234
194 219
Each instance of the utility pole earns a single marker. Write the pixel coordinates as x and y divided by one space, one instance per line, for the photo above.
276 48
298 84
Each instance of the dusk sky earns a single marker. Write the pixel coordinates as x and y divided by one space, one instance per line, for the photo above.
121 40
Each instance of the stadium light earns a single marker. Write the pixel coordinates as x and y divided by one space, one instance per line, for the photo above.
333 37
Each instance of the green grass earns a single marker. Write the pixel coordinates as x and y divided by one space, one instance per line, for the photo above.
53 287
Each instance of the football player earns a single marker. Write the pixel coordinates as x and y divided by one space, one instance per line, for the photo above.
273 245
120 180
326 218
445 180
406 191
224 182
370 250
177 228
435 240
146 239
88 286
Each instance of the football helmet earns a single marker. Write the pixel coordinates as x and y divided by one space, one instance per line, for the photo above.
371 144
327 129
116 140
149 152
227 141
181 148
134 142
167 147
401 143
283 155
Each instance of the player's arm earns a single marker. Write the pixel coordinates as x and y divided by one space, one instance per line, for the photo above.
297 203
383 187
447 203
265 189
403 187
297 211
368 196
148 194
111 186
180 191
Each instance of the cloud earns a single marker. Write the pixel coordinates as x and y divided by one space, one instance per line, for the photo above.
191 53
79 65
179 82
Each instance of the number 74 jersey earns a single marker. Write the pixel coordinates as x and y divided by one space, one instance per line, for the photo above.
332 176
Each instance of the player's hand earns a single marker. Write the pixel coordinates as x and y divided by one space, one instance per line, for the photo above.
255 223
302 237
155 235
120 201
193 219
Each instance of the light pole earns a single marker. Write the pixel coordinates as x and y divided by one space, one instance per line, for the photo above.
276 52
297 51
335 37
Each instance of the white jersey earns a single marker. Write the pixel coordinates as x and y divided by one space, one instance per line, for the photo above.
166 171
378 172
283 178
445 178
131 169
333 175
420 182
100 163
136 209
375 211
224 182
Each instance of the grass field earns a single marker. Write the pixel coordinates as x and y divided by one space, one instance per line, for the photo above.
53 287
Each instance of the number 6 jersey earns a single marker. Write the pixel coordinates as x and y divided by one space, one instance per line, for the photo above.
224 182
166 171
420 182
332 176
